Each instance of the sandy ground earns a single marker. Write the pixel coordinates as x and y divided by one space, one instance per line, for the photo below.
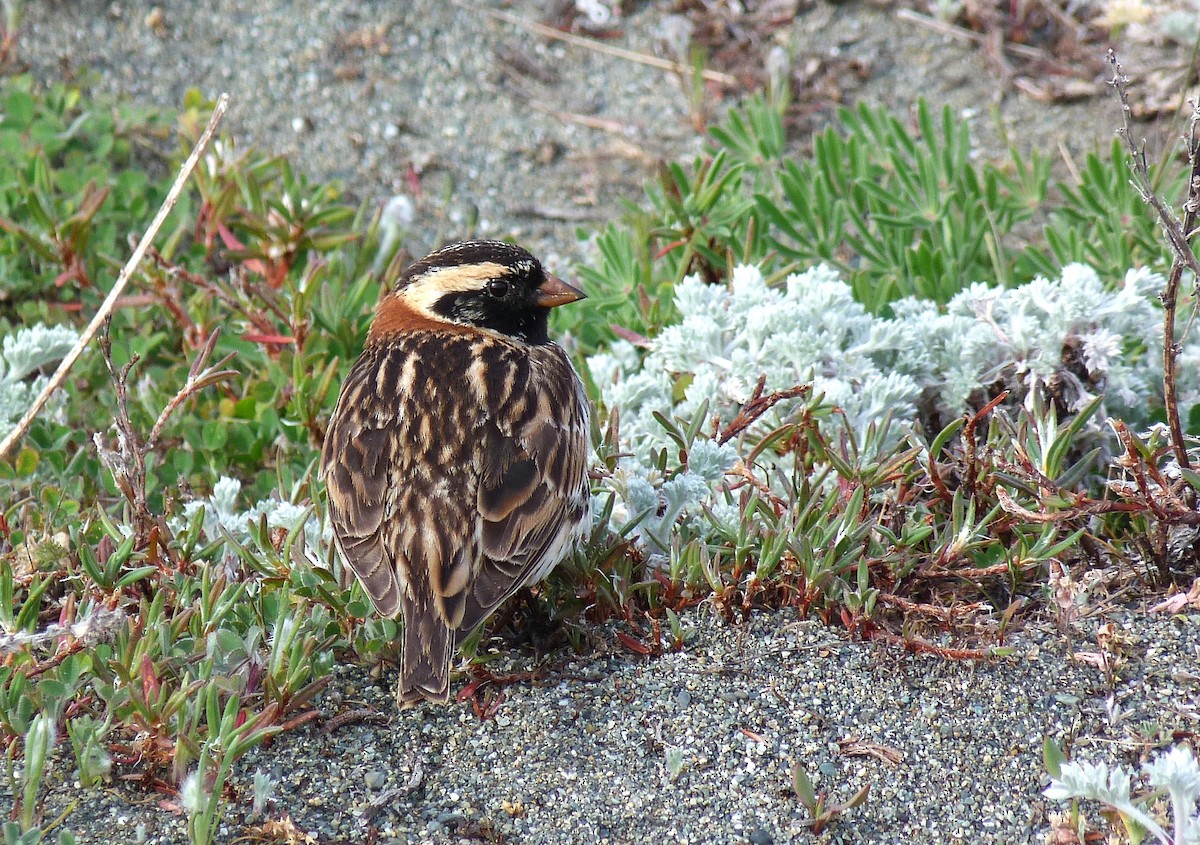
491 130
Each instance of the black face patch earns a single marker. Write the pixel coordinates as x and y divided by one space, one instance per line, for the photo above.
514 315
505 302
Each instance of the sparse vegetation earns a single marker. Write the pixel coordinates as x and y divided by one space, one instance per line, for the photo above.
168 599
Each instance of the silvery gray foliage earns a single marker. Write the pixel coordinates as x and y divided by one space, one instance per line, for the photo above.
1175 771
223 515
987 333
21 354
811 329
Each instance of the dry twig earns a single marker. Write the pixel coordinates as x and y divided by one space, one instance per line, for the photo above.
598 46
973 471
128 462
201 375
917 645
1178 236
947 28
853 746
756 406
361 716
106 308
947 615
603 124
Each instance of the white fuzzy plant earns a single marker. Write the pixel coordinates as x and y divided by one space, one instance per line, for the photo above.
810 329
985 329
1175 772
22 354
224 515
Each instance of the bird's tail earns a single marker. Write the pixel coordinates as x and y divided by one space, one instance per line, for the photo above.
425 659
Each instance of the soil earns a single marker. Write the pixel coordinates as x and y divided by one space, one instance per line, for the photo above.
494 130
491 129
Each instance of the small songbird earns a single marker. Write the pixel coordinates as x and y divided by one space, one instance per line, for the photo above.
456 458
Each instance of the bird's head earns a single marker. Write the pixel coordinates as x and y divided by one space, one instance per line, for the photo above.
486 284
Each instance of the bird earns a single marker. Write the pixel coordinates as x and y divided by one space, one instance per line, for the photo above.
456 458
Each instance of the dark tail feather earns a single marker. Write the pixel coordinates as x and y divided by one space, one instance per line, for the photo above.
425 661
493 585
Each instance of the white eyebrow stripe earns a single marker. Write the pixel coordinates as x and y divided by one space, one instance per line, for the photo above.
423 292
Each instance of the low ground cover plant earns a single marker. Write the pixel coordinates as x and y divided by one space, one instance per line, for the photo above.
859 383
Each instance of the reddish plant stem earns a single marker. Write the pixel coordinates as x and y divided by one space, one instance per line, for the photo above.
1178 236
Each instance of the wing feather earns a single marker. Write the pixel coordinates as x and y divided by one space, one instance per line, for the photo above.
532 496
357 461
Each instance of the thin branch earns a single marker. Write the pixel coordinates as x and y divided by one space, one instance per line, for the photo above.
973 472
199 377
917 645
128 463
757 405
598 46
945 28
1177 236
949 615
106 308
616 127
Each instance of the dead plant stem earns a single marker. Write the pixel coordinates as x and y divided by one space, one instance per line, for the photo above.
106 308
598 46
1178 236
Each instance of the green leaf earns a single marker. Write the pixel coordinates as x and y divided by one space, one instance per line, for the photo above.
857 798
18 109
26 462
245 409
1193 420
803 786
215 435
1052 757
135 575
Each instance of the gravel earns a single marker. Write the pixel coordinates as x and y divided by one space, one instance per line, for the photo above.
382 96
413 99
953 748
497 132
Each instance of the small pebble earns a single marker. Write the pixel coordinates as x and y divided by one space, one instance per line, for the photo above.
462 140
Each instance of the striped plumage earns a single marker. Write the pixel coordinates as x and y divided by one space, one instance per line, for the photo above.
456 458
